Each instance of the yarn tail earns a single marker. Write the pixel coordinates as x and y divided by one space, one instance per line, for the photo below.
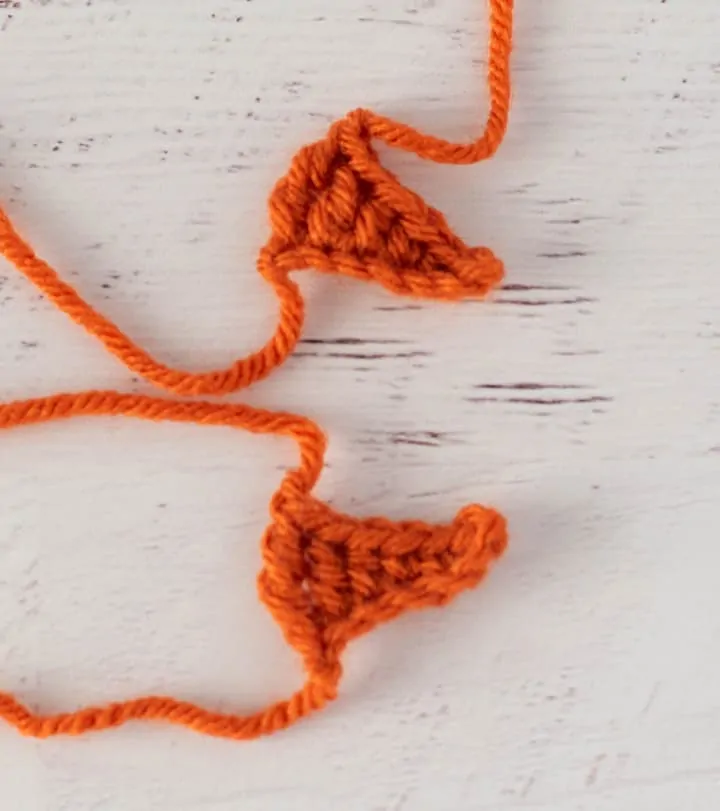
282 714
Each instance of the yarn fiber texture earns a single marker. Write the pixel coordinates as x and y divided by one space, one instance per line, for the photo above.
326 577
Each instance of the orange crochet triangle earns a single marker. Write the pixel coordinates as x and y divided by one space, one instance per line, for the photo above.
328 578
340 211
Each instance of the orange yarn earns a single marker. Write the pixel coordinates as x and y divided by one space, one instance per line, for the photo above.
326 578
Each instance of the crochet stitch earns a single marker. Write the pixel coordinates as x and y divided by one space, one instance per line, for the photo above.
326 578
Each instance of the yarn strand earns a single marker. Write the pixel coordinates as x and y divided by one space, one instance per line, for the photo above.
311 442
240 374
438 150
326 577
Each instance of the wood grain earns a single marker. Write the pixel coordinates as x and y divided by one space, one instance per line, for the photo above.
138 142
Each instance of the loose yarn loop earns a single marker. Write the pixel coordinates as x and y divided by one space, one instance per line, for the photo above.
326 577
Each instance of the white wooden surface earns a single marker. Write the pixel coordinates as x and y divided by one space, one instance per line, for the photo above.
138 142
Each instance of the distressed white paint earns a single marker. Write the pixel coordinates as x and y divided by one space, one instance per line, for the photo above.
138 141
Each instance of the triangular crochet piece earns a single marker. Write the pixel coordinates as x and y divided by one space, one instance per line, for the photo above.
339 210
328 578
